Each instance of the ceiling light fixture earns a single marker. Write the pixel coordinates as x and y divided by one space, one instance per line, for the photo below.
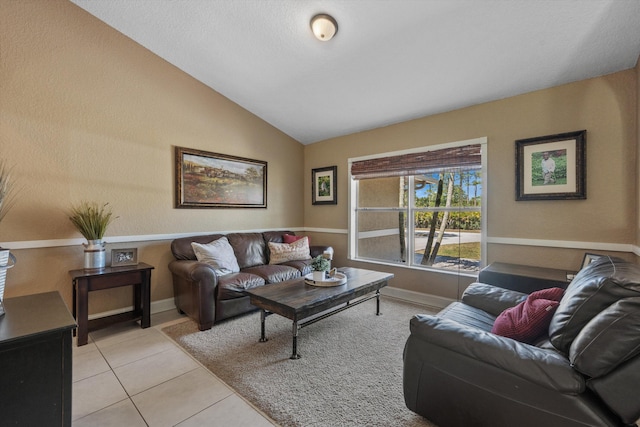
324 27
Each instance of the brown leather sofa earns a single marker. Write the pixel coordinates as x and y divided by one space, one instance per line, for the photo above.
206 297
585 372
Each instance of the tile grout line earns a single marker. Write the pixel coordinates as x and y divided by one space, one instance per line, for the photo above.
234 392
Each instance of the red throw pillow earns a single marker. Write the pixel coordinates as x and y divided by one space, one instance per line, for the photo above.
290 238
530 319
553 294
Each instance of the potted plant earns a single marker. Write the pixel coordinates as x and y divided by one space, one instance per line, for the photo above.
6 201
92 219
320 266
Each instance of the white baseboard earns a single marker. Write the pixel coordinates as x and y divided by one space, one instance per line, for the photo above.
432 301
156 307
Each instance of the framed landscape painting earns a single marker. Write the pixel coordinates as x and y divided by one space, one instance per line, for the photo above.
552 167
324 186
213 180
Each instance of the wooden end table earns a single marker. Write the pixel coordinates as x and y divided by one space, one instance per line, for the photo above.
85 281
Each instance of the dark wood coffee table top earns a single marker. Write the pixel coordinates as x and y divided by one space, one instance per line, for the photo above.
296 300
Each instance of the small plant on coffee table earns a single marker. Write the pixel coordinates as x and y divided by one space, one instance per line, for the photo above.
320 263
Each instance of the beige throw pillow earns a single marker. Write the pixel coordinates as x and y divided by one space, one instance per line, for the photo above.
283 252
218 254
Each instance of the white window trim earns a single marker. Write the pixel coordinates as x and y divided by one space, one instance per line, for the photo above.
353 200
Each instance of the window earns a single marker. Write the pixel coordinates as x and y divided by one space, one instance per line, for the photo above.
421 209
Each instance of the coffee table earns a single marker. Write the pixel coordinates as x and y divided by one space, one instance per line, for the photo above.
306 304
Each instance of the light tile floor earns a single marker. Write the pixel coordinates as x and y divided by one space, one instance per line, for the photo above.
128 376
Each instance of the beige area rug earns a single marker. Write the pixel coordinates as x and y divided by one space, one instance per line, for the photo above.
350 373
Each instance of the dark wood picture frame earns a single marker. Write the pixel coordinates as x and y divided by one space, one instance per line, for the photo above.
589 258
324 186
214 180
552 167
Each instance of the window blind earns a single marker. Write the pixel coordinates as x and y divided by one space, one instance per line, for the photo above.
467 157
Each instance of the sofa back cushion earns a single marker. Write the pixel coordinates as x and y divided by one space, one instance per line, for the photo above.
595 287
275 236
249 248
182 250
609 339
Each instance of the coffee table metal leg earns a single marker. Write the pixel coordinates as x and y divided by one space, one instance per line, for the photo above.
294 353
263 316
378 303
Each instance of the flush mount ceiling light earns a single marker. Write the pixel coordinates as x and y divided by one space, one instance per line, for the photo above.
324 27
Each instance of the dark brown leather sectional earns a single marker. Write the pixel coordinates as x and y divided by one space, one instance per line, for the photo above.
207 297
586 372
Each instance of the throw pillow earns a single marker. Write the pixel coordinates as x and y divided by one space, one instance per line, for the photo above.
218 254
290 238
283 252
530 319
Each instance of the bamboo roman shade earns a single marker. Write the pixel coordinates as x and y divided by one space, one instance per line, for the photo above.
467 157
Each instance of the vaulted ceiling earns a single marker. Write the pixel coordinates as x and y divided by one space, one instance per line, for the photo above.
391 60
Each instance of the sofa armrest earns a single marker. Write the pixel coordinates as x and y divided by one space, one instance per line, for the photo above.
540 366
194 290
316 250
194 271
492 299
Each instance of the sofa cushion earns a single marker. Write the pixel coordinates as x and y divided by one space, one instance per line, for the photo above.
275 236
595 287
249 248
302 265
619 390
282 252
218 254
530 319
274 273
609 339
233 285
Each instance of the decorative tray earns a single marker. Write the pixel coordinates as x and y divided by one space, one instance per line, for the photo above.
337 280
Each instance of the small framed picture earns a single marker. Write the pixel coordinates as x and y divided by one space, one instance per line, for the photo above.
589 258
552 167
122 257
324 186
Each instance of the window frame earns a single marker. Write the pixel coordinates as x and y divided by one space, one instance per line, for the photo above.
411 208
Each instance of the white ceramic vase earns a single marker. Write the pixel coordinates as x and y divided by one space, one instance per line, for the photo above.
318 276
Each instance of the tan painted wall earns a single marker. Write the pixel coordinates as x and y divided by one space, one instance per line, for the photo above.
87 114
604 106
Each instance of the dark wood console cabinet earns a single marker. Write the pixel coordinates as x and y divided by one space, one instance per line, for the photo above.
523 278
35 361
